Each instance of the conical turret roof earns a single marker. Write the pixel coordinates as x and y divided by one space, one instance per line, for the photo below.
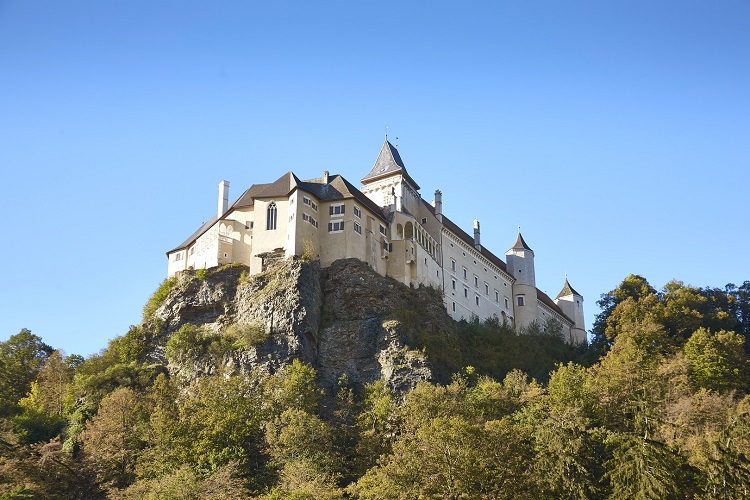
520 244
567 290
388 163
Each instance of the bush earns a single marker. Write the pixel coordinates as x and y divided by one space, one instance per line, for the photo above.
246 336
158 297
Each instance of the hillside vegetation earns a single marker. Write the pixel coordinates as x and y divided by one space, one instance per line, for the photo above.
323 384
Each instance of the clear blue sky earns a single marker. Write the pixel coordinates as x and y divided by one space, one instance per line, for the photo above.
616 133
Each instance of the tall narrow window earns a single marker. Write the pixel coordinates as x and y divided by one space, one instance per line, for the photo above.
271 215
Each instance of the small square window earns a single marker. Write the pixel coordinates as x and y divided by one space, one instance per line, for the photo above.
357 212
357 228
424 220
521 300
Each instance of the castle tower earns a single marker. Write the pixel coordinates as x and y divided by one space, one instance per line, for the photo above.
571 303
520 264
388 183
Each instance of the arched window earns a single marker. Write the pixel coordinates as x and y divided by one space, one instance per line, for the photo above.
271 217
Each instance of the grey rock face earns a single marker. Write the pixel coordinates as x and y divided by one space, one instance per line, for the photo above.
342 320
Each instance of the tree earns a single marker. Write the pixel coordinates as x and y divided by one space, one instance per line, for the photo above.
717 360
634 287
114 438
21 358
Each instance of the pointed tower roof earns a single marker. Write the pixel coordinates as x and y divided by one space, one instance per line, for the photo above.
388 163
567 290
520 244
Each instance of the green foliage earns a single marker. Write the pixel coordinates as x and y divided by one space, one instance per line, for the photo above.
158 297
293 387
21 358
192 344
717 359
201 273
246 336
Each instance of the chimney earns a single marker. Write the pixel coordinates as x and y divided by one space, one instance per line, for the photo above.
477 245
438 205
325 176
223 198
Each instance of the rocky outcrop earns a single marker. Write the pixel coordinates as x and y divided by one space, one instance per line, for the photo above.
343 320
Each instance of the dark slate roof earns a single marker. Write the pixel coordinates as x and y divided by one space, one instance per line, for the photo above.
388 163
205 227
520 244
337 188
469 240
567 290
544 298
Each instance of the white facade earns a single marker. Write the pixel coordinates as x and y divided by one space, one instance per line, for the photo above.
389 226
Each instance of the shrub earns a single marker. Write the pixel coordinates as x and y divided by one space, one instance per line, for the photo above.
201 274
158 297
246 336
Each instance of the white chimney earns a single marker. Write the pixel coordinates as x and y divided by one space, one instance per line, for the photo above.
325 176
477 244
223 198
438 203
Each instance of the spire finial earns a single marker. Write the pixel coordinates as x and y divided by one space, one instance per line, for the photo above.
386 132
396 142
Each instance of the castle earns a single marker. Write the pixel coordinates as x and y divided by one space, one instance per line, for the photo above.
388 225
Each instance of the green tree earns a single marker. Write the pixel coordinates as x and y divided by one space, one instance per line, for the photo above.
114 438
717 360
21 358
634 287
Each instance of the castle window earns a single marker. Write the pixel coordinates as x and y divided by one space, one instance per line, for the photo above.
476 299
357 228
271 215
497 296
476 282
307 201
383 230
357 212
521 300
388 247
337 209
178 256
453 265
465 275
506 302
486 289
192 249
453 284
424 220
309 219
466 292
454 307
336 227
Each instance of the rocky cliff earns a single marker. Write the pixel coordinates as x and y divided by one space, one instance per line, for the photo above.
343 320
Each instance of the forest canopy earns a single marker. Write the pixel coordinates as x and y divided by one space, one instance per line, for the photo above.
657 406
